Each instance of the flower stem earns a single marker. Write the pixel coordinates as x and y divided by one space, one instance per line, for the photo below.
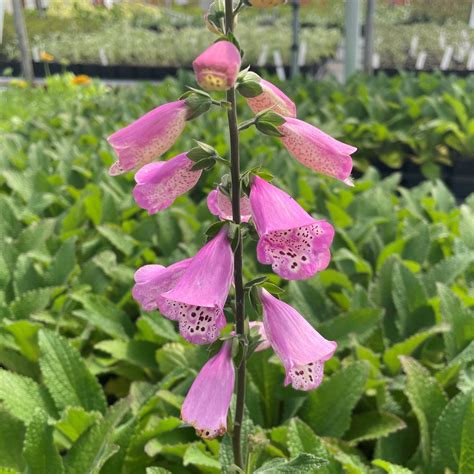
238 255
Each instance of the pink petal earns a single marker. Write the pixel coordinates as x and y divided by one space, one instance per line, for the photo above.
159 184
148 137
299 346
207 403
217 67
205 285
317 150
291 240
152 280
219 204
272 98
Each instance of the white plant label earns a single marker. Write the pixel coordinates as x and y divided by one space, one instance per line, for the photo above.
414 45
280 70
262 58
421 60
302 53
446 59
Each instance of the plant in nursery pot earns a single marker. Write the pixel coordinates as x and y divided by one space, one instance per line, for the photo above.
194 292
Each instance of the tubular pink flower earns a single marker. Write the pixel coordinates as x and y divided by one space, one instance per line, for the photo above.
198 297
216 68
219 204
153 280
272 98
316 149
301 349
159 184
148 137
291 240
207 403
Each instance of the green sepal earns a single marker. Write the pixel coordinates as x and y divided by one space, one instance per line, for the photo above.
214 229
204 164
255 282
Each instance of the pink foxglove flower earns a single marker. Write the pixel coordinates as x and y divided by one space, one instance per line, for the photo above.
272 98
291 240
301 349
219 204
198 297
148 137
207 403
159 184
153 280
217 68
317 150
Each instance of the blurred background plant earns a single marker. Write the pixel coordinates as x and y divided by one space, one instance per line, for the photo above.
397 297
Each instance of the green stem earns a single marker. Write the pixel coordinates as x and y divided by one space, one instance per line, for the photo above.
238 256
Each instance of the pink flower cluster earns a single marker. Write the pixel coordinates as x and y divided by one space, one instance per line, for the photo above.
193 291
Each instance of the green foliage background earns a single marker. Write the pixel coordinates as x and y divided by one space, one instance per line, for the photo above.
90 384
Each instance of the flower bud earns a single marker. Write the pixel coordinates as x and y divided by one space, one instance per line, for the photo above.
217 68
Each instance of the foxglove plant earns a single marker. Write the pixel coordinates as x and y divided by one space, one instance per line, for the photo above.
194 292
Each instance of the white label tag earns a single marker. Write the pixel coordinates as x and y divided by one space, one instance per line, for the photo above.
446 60
35 53
470 61
420 60
302 53
280 70
414 45
103 57
376 60
262 58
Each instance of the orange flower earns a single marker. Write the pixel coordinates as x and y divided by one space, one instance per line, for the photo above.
46 57
82 79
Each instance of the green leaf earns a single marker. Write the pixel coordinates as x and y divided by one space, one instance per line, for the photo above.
21 395
31 302
427 400
63 263
304 462
66 376
94 447
460 320
157 470
302 439
447 271
453 448
359 324
408 295
328 410
11 442
119 239
25 334
407 347
139 353
196 455
391 468
105 315
74 421
226 455
372 425
40 454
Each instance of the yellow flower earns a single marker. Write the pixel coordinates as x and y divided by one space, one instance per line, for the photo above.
82 79
46 57
19 83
